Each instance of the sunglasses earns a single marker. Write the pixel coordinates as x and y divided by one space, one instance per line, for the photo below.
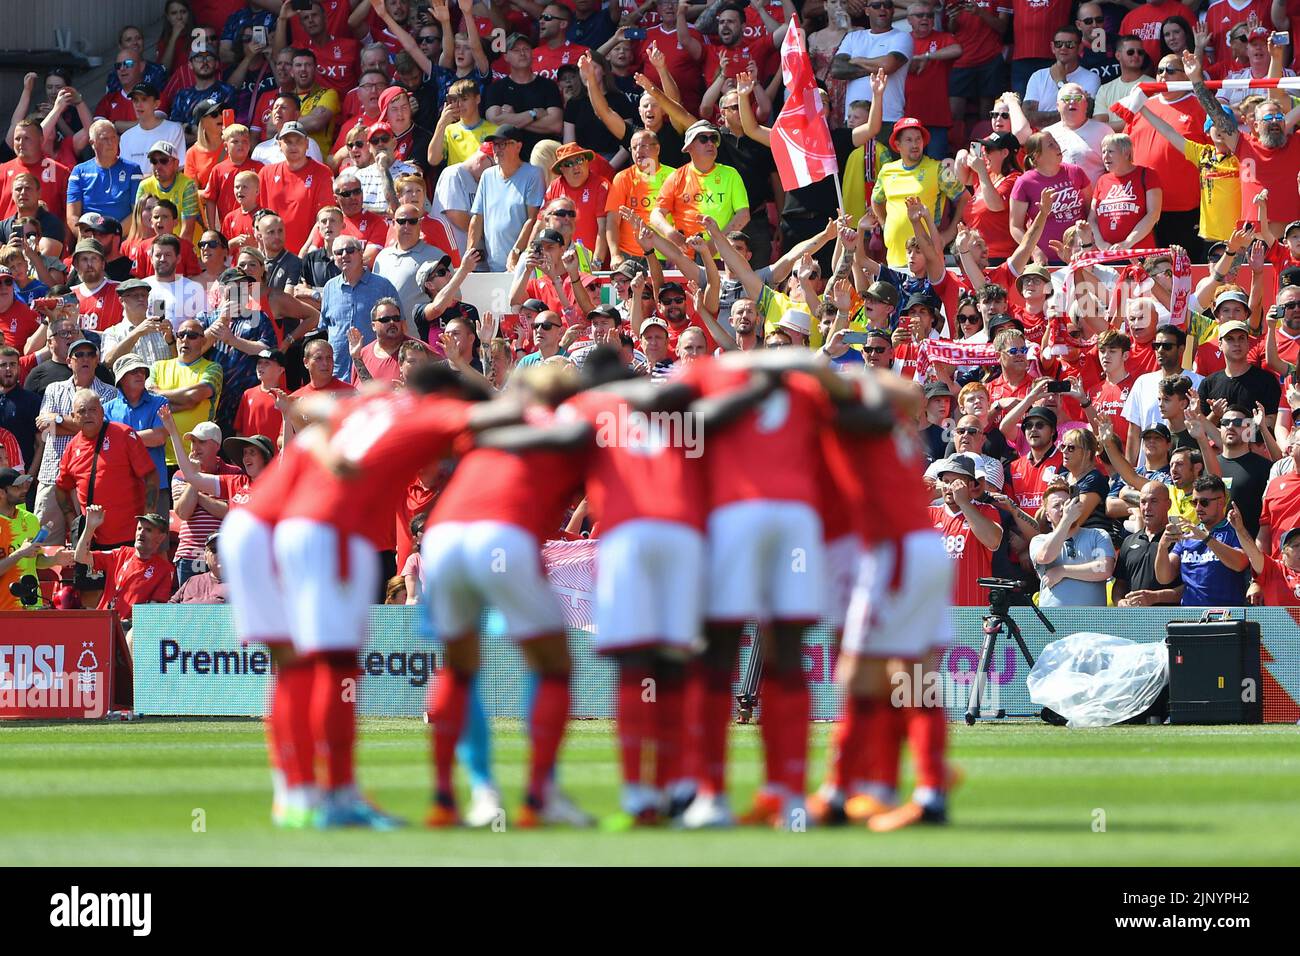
1164 346
1291 305
969 318
1018 350
1169 71
1272 118
996 115
349 193
209 244
565 213
406 222
381 140
1065 44
547 18
1135 52
189 335
572 163
707 138
1067 449
875 349
441 271
1232 422
357 145
675 300
1032 425
126 64
1092 20
1070 98
84 354
346 250
6 280
545 326
388 320
159 160
968 430
428 38
1206 502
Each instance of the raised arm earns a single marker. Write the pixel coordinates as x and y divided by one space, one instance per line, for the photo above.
735 261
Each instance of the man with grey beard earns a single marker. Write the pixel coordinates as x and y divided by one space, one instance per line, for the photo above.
1272 152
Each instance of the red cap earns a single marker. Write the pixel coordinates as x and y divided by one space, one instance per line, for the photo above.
386 97
377 129
908 122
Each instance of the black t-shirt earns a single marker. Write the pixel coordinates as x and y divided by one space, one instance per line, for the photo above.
590 132
539 93
1246 477
1253 385
934 438
1097 483
754 163
48 372
670 144
818 200
318 268
284 270
460 310
628 90
51 227
429 106
18 411
1135 565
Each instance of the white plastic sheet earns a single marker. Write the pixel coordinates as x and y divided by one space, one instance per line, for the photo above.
1096 680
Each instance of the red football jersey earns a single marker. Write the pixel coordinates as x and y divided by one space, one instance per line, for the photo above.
258 415
100 310
1030 478
387 439
769 453
757 50
297 195
855 466
221 186
369 227
643 468
1221 16
589 200
974 561
120 472
336 63
17 324
547 62
236 489
1109 400
681 65
1281 584
51 174
1035 22
1281 510
1288 350
129 580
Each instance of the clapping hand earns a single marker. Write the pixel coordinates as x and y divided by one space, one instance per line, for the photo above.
356 341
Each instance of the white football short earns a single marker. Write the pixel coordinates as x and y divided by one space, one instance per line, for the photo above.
766 562
842 558
327 612
252 582
470 565
649 585
900 605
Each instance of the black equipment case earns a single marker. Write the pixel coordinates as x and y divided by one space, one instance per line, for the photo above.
1214 671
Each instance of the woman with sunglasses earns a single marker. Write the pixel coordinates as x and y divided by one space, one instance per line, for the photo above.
970 323
995 167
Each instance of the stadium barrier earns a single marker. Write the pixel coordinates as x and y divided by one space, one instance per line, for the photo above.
189 662
60 664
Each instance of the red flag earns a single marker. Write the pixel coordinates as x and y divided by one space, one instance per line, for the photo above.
801 140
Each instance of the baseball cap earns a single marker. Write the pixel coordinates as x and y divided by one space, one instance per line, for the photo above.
698 128
231 446
127 363
1290 226
653 320
515 38
133 285
550 235
629 268
1290 536
1159 428
1214 250
923 298
906 123
234 275
157 520
379 128
959 465
79 343
427 269
204 431
1000 141
387 97
1232 295
937 390
11 476
291 128
879 334
1040 411
882 292
533 305
796 320
275 355
505 132
606 312
1228 327
88 245
95 221
165 147
144 89
204 108
1289 276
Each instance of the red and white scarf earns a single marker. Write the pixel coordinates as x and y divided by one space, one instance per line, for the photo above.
1134 281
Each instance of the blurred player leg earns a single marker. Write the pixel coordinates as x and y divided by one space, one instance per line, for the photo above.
474 753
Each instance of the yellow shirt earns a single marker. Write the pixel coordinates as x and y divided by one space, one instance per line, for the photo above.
773 306
184 195
14 533
461 142
172 374
1220 189
895 184
1181 503
318 97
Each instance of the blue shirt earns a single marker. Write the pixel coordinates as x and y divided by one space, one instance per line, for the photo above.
239 369
109 192
1207 581
139 418
184 101
344 307
503 204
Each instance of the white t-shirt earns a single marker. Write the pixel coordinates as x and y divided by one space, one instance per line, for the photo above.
866 44
1042 88
1082 146
269 152
1114 91
1142 407
182 298
135 142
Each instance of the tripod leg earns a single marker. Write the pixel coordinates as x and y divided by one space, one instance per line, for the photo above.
1046 713
991 628
749 683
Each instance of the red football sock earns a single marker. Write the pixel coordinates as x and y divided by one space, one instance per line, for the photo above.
792 730
448 701
669 712
884 738
927 734
709 720
635 720
771 725
289 724
849 744
550 715
333 716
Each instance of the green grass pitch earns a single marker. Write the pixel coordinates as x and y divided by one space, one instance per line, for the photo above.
129 794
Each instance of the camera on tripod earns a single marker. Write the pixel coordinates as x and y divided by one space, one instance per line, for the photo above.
996 620
1000 591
